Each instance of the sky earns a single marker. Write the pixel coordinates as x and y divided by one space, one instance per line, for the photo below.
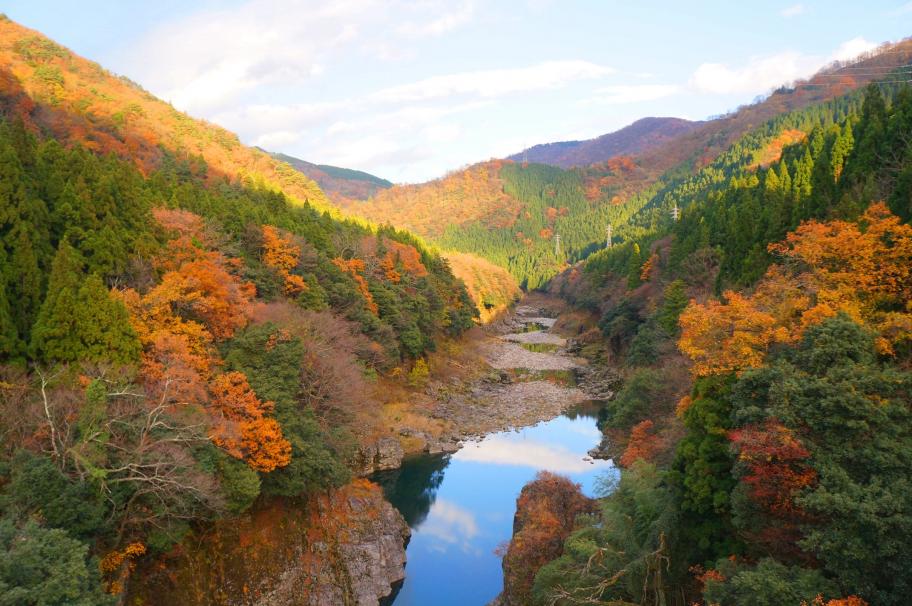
412 90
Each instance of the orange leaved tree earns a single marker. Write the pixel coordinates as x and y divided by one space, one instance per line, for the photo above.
862 269
282 254
245 431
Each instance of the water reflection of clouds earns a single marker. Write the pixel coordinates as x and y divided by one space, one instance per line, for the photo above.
587 431
501 450
451 524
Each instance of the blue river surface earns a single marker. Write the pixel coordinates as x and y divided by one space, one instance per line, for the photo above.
460 507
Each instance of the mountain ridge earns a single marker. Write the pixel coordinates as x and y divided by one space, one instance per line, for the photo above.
510 212
636 137
337 182
75 100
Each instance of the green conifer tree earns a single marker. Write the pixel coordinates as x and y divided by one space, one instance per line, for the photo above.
18 237
78 319
673 303
10 345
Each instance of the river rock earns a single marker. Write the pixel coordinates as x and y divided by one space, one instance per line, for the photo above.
599 382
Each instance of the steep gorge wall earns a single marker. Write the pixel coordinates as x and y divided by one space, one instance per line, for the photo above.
344 548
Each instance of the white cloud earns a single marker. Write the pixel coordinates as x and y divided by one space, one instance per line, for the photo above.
852 48
630 93
341 126
495 82
262 119
904 9
441 25
277 139
306 77
441 133
206 61
761 74
793 11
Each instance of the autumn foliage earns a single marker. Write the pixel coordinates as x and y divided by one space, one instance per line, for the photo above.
256 438
852 600
79 102
643 444
491 287
775 469
648 267
198 302
282 255
461 197
402 257
117 565
355 268
776 465
546 513
862 269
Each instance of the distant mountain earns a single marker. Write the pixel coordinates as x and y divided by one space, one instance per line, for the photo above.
642 135
338 183
511 212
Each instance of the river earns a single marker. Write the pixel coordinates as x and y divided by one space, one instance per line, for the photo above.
460 507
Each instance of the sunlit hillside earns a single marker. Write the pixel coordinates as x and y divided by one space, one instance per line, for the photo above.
509 212
81 102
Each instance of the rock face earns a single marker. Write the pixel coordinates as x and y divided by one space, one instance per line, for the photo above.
346 548
384 454
546 513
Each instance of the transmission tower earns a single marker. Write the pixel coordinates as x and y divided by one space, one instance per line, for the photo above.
608 236
676 212
557 246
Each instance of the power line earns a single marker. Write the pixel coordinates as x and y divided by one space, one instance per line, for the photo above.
829 84
884 68
852 74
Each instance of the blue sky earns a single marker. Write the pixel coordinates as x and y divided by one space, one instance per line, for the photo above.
411 90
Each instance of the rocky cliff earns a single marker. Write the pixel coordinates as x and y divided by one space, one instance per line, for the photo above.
546 513
344 548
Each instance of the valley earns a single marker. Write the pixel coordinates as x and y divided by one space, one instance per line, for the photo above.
514 413
668 365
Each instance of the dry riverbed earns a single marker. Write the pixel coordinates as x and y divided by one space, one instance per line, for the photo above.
520 373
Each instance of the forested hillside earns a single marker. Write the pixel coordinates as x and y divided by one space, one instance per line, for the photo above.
642 135
766 341
511 213
78 101
340 184
750 197
183 327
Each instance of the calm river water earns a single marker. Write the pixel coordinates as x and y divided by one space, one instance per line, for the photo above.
460 507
